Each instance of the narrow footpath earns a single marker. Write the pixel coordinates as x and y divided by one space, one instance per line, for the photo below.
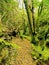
24 56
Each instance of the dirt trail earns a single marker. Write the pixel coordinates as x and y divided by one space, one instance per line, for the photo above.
24 52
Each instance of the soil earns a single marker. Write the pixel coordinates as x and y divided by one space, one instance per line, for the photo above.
24 56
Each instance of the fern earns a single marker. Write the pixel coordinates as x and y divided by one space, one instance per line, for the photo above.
40 52
8 52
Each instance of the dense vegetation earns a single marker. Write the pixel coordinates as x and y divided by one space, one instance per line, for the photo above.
8 53
30 21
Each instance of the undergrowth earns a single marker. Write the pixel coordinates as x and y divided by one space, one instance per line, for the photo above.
8 53
41 52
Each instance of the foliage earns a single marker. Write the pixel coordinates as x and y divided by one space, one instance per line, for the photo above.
13 17
8 52
41 52
34 17
40 47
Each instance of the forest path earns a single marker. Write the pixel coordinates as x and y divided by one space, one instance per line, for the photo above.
24 52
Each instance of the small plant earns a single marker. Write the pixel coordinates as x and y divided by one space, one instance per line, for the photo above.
41 53
8 53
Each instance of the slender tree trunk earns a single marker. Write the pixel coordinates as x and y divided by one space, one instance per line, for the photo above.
29 16
31 19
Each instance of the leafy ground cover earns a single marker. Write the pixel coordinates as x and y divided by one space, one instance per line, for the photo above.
8 53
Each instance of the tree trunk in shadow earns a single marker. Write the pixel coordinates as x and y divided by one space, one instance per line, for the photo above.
31 19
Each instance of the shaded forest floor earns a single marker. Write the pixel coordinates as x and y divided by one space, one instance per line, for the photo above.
24 56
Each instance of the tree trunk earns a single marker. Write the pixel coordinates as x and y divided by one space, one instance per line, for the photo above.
30 14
